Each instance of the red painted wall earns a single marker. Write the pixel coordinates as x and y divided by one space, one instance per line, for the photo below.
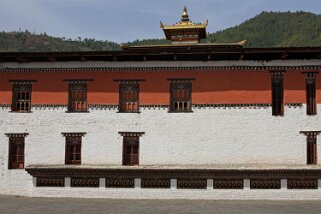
218 87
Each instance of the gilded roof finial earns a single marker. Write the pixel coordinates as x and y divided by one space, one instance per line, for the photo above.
185 15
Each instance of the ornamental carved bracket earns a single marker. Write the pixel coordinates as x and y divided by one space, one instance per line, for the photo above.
73 134
131 134
16 135
311 134
310 74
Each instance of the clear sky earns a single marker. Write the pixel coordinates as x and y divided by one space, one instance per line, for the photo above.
127 20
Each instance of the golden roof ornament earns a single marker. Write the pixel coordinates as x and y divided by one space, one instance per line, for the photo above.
185 15
185 31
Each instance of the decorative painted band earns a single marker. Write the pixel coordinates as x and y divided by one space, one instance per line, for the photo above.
218 174
152 106
153 69
302 184
228 184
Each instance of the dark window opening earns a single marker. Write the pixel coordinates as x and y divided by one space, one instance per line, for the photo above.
77 97
131 151
21 101
310 96
311 150
277 96
73 149
16 152
128 97
181 96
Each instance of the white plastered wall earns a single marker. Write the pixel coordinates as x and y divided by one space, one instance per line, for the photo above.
208 137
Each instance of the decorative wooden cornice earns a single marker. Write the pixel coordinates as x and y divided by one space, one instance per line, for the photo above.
231 105
217 174
181 79
131 134
16 135
22 82
103 107
311 134
169 69
156 106
73 134
129 81
78 81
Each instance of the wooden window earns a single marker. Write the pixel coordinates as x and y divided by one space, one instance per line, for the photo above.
180 95
311 150
73 149
16 152
310 93
21 97
77 96
131 151
129 96
277 93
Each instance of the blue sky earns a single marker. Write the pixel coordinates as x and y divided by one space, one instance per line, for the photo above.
127 20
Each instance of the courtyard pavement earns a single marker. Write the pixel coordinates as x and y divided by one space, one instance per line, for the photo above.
19 205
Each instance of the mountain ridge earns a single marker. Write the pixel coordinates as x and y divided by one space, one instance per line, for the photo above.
267 29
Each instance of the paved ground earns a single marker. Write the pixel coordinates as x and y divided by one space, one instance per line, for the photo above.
18 205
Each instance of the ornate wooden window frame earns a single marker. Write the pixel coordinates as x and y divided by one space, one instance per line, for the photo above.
132 87
311 151
277 88
16 139
81 86
310 84
132 140
184 84
21 95
75 140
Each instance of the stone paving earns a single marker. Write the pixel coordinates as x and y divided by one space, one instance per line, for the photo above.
19 205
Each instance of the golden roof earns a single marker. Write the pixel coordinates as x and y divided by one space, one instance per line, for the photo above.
185 24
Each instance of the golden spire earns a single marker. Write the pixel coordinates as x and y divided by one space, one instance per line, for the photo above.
185 31
185 15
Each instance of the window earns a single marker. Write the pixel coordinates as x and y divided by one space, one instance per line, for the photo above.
312 156
181 95
277 93
77 96
311 150
131 148
131 151
129 96
73 148
21 97
310 93
16 150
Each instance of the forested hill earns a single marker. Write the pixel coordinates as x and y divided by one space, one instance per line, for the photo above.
268 29
271 29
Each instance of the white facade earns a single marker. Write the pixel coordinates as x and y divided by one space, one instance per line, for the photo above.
210 137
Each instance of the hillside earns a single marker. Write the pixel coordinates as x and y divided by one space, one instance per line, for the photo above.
25 41
268 29
272 29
